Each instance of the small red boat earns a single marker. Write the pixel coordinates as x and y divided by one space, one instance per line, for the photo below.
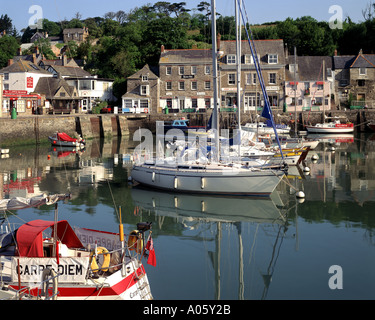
62 139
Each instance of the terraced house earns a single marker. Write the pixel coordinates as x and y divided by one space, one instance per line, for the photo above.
185 80
271 57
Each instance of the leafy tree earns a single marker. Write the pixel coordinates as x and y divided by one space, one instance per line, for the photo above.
6 24
8 49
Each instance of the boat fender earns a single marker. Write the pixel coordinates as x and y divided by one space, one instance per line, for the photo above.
94 263
49 275
135 241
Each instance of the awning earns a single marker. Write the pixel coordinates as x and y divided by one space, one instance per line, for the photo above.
30 237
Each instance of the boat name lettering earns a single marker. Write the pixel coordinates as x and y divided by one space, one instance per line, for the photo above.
68 269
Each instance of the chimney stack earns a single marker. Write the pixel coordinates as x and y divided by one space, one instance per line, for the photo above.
335 52
162 48
64 60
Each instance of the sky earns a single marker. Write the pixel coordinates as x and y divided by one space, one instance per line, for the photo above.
259 11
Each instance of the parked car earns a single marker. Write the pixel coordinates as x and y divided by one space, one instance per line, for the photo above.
108 109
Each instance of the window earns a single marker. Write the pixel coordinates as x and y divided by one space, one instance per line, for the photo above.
231 59
6 76
251 78
193 70
194 103
272 78
207 102
362 71
145 77
207 85
181 85
320 86
168 71
144 90
248 59
361 83
6 86
194 85
181 70
232 78
168 85
272 58
207 70
143 104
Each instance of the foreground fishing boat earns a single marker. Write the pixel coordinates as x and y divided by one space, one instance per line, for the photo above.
62 139
81 264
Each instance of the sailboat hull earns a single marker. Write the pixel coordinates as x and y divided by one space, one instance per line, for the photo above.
216 179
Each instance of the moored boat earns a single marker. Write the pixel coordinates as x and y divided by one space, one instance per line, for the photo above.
62 139
85 264
331 127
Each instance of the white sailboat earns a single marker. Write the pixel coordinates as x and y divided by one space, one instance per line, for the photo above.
213 176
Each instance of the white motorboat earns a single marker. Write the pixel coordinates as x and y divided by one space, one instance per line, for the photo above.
331 127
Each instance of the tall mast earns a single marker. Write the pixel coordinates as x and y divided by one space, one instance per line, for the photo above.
215 115
238 59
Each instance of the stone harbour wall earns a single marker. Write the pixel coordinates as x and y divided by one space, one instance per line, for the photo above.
36 129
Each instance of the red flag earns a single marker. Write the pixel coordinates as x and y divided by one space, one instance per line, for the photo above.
151 252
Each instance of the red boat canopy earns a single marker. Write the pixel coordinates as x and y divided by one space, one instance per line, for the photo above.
64 137
30 239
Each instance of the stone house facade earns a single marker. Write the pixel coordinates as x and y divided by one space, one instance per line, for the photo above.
78 35
355 79
271 57
186 82
143 94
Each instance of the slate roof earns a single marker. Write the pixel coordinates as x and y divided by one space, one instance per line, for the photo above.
146 69
262 47
66 71
21 65
359 61
309 68
188 56
50 86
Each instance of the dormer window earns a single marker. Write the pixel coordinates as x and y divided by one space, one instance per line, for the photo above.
272 58
231 59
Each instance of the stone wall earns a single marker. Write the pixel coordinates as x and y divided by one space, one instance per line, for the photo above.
36 129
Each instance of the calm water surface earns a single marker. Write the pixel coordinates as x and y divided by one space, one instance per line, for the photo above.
221 248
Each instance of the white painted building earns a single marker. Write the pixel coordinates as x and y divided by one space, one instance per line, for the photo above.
91 89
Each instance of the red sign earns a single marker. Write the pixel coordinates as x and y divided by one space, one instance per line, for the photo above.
15 92
30 82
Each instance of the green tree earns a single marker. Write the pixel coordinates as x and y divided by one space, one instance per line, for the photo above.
8 49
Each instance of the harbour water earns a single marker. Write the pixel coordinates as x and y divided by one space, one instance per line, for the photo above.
210 248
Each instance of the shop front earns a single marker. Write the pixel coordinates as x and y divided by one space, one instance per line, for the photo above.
21 101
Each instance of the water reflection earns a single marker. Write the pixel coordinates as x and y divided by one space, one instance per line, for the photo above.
220 248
